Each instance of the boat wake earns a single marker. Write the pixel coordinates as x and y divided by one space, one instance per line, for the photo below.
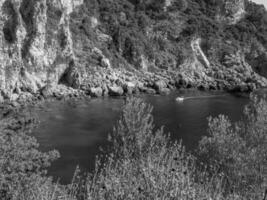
181 99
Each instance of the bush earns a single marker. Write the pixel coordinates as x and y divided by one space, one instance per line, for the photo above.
22 165
145 164
239 150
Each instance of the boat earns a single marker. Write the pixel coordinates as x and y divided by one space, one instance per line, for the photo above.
180 99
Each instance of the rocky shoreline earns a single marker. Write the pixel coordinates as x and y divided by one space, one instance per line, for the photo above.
120 82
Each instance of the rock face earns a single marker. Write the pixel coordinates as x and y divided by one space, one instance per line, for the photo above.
232 11
195 45
32 51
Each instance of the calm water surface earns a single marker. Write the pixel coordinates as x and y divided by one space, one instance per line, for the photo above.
78 128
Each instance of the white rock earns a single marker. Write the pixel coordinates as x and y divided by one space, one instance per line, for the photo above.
105 62
96 92
94 22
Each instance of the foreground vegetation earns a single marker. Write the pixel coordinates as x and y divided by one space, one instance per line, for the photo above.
143 163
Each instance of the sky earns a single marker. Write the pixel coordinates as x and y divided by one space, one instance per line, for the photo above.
264 2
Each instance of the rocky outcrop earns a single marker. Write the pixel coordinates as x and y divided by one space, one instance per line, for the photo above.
30 55
103 61
60 92
234 74
72 76
195 45
161 87
115 91
232 11
96 92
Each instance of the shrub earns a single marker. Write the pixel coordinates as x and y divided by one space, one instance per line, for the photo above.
145 164
239 150
22 165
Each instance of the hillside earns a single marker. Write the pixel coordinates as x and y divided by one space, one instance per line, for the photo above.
114 47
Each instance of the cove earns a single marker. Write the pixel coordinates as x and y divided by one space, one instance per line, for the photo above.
77 129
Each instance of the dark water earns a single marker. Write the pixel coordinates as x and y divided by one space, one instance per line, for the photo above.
78 129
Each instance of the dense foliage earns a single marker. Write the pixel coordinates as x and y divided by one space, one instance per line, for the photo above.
22 165
239 149
163 34
145 164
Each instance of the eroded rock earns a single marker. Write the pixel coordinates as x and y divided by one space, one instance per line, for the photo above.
115 91
160 85
96 92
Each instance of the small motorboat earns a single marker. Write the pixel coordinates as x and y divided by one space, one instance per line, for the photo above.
180 99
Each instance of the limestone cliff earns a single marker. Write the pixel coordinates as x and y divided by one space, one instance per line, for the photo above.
34 53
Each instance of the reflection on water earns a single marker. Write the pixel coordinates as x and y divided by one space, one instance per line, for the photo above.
78 129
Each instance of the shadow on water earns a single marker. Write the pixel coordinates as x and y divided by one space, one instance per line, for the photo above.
78 129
